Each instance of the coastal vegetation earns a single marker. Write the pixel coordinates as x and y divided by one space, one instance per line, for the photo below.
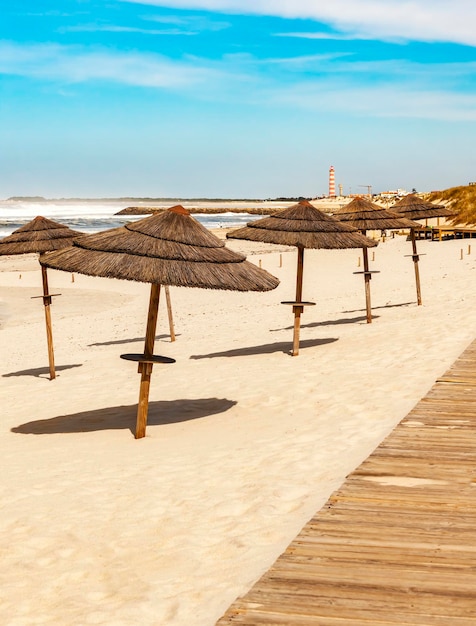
460 199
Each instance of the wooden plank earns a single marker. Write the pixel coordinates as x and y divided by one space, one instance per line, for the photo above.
332 614
360 597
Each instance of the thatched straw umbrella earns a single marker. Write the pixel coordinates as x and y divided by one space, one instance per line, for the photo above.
170 248
366 215
303 226
41 235
414 208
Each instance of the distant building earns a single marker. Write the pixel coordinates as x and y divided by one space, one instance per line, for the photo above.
392 194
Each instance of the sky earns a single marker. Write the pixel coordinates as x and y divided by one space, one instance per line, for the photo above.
235 98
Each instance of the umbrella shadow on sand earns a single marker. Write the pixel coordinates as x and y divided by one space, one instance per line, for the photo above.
122 417
343 320
383 306
267 348
118 342
41 372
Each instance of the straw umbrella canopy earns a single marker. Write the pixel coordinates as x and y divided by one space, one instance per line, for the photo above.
303 226
169 248
414 208
41 235
366 215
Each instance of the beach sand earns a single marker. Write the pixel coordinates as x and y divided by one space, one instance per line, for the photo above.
244 443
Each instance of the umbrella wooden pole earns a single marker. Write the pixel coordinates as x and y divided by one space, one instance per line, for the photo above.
415 264
145 368
49 331
169 313
298 309
367 277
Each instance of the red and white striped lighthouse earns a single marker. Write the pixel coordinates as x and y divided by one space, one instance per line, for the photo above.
332 182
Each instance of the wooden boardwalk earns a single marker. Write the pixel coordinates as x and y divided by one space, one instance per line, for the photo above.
439 232
396 544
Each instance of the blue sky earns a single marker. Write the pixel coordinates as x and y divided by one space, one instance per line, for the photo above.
235 99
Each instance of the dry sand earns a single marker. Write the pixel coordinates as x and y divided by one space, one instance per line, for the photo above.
244 444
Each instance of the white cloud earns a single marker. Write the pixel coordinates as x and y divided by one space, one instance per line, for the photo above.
318 35
76 65
175 25
110 28
330 83
320 62
389 101
422 20
194 22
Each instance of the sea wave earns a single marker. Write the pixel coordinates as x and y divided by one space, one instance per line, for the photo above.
91 218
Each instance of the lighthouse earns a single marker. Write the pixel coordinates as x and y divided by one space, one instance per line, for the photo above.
332 182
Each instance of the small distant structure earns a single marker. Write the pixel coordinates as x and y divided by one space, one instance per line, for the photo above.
393 194
369 189
332 182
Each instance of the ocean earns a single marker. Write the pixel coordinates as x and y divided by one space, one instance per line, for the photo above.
94 216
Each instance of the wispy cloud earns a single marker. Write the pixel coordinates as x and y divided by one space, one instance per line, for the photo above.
292 65
54 13
422 20
390 101
323 36
331 83
385 89
74 64
110 28
197 23
175 26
